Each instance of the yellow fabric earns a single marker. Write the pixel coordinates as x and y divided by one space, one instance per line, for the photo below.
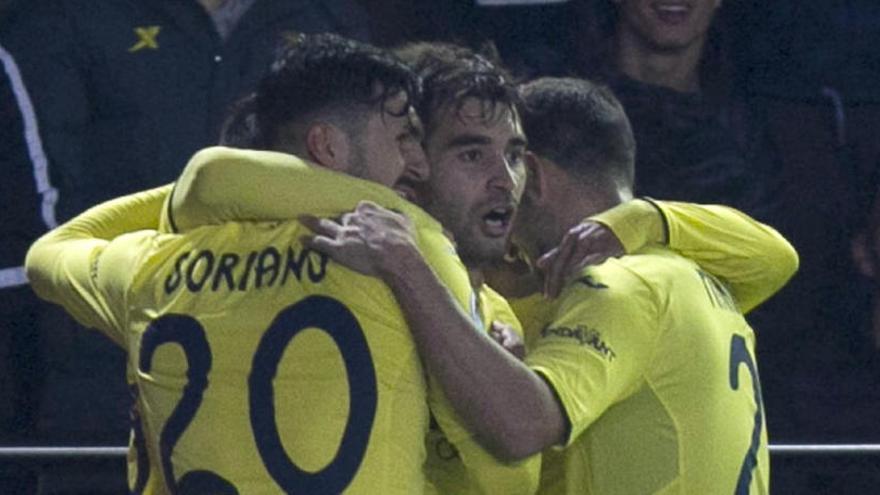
234 293
447 460
752 258
636 224
641 351
224 184
64 266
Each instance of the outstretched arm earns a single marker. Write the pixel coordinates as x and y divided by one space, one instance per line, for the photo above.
71 265
751 257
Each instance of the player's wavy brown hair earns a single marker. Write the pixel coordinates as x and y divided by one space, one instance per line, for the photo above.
450 74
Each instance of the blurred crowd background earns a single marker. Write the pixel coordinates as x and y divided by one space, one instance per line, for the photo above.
777 114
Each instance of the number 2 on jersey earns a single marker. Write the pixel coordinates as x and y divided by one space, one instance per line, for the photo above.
326 314
739 354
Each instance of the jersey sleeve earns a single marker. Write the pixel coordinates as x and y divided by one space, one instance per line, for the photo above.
599 342
85 264
225 184
752 258
474 470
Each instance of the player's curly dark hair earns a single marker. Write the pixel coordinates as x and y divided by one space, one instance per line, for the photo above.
581 126
451 74
339 78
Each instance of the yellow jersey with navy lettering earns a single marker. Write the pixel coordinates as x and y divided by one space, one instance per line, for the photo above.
654 366
210 191
259 365
447 459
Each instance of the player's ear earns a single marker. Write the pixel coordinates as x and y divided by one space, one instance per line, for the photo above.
328 146
536 178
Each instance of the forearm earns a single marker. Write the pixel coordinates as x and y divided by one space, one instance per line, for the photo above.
754 259
224 184
509 408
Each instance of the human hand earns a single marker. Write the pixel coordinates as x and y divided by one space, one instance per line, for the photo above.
587 243
371 240
504 335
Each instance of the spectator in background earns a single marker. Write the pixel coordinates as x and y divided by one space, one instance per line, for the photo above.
667 63
124 92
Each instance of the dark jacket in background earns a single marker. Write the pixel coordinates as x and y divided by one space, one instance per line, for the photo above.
127 90
124 92
684 149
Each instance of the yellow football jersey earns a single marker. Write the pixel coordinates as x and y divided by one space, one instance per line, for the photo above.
211 190
260 366
447 459
752 258
654 366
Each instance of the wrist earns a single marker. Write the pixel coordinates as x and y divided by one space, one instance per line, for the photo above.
401 263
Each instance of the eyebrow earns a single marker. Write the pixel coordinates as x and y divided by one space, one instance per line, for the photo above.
470 139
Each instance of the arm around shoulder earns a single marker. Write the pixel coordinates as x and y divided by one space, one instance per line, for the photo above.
61 264
751 257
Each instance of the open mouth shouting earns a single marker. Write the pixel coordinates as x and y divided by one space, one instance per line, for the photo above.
497 220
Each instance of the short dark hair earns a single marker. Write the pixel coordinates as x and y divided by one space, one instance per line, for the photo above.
450 74
579 125
322 73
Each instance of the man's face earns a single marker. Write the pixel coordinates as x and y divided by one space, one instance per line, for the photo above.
477 177
667 25
388 147
531 225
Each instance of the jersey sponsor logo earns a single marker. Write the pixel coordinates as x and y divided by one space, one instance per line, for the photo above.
146 38
717 292
585 336
590 282
197 270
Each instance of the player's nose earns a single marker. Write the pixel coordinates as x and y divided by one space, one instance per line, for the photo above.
415 163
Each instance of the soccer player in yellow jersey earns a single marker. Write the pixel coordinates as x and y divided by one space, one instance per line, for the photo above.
756 263
260 366
472 126
640 377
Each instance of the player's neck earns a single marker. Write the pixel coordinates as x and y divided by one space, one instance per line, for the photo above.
581 202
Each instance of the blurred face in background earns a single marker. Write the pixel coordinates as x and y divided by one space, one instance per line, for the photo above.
666 25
